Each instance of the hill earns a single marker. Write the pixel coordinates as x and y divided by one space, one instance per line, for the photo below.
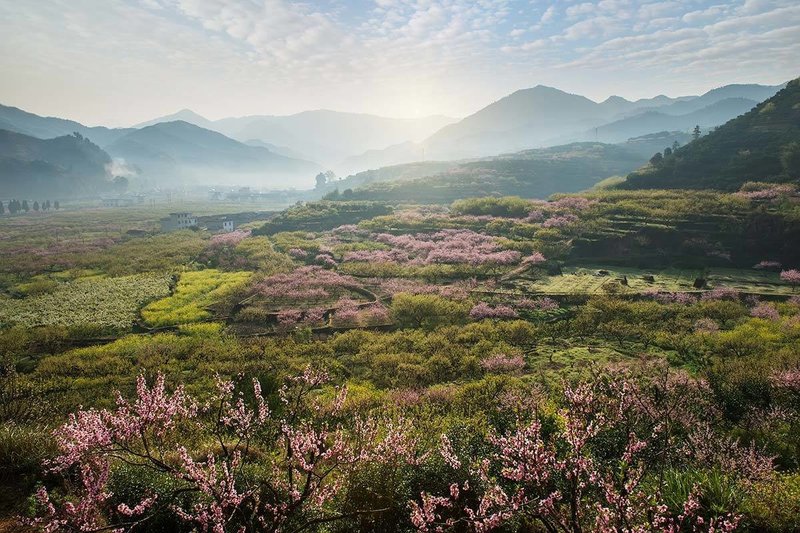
325 136
65 166
545 116
182 151
656 120
536 173
754 147
185 115
17 120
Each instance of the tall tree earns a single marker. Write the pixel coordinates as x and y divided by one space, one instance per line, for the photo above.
55 204
25 206
2 209
35 205
696 132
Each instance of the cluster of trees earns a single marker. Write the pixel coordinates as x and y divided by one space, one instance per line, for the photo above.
658 158
15 206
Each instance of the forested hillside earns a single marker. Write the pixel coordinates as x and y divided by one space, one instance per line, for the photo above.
761 145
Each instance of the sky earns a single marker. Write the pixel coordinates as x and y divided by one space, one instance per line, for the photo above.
120 62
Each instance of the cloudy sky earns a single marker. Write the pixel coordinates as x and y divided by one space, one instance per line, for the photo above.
119 62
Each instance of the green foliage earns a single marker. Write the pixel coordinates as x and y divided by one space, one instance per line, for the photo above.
507 206
427 311
323 215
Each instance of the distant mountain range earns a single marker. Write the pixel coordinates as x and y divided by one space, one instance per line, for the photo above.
544 116
287 151
761 145
325 136
183 152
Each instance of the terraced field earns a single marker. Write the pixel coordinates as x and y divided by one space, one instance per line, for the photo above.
594 279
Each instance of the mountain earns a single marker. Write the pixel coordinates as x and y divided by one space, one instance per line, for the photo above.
185 115
544 116
753 147
14 119
323 135
330 136
280 150
524 119
655 120
536 173
182 152
751 92
64 166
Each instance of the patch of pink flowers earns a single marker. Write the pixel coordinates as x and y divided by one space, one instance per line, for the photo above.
765 311
560 221
503 363
721 293
483 310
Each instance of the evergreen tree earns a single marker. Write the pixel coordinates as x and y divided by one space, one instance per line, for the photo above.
675 145
656 159
25 206
696 132
35 205
55 204
667 151
2 209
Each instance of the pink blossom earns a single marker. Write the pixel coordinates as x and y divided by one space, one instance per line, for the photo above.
534 259
483 310
575 203
791 277
502 363
721 293
231 238
765 311
559 221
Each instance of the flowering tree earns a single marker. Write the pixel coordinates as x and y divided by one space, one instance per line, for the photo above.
791 277
313 453
765 311
596 466
483 310
306 283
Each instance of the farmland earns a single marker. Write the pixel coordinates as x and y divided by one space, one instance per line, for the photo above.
462 318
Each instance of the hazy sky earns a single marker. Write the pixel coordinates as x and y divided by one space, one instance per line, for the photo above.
119 62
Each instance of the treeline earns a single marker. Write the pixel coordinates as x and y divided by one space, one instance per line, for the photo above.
15 206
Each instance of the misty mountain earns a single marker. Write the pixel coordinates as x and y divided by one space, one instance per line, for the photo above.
544 116
14 119
185 115
751 92
653 121
280 150
64 166
182 152
761 145
325 136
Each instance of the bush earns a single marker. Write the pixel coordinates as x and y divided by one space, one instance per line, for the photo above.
427 311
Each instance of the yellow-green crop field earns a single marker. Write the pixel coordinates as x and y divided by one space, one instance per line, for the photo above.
196 291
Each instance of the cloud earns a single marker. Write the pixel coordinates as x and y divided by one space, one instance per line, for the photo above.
122 60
